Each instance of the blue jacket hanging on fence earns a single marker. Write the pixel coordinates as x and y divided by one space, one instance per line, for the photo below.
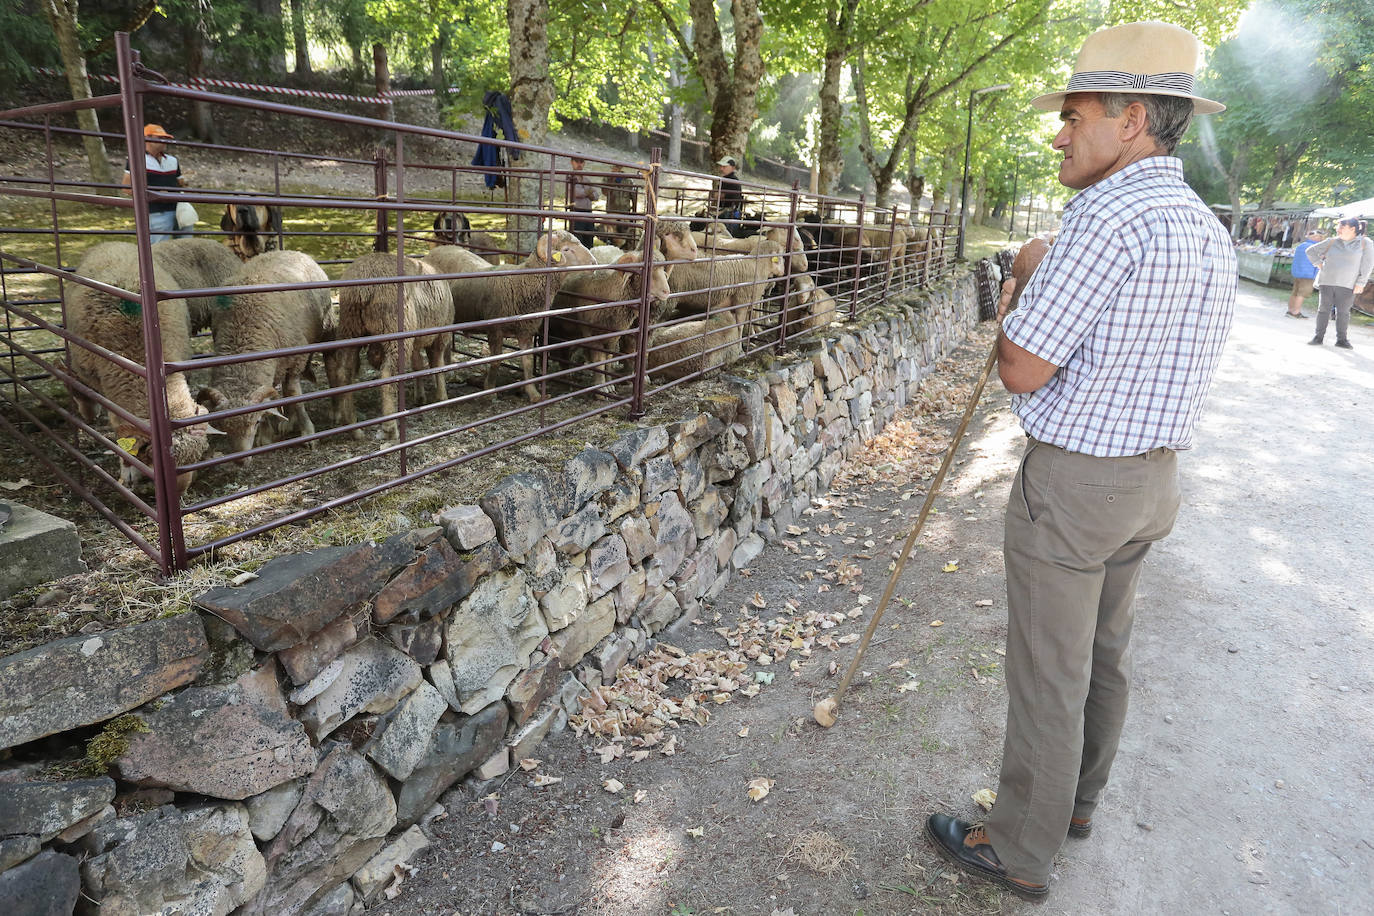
488 155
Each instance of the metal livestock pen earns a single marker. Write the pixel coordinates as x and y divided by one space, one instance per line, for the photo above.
582 365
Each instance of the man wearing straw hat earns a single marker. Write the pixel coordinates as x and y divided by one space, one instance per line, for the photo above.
1109 357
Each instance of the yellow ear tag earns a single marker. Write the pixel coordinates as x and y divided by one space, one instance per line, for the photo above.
128 443
775 261
557 256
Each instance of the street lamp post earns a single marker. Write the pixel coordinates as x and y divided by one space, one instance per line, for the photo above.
968 148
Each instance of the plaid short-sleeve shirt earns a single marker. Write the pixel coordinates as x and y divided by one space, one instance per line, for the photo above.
1133 304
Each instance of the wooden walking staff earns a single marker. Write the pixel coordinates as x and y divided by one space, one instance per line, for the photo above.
1027 259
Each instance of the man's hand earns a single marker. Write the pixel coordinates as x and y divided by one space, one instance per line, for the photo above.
1027 259
1359 288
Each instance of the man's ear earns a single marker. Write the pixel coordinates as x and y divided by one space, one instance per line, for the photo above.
1134 122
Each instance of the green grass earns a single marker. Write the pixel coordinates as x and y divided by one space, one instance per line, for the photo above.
986 241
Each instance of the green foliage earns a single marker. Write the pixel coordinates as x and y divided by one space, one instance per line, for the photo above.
28 43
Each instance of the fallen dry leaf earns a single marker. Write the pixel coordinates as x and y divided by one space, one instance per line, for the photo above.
983 602
637 756
696 832
759 787
743 732
900 663
540 780
951 566
641 795
19 484
937 623
985 798
529 763
613 786
908 686
758 600
670 747
610 752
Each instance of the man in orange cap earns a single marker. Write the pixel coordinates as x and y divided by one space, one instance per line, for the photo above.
164 171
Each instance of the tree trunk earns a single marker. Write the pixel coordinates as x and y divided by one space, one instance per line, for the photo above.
1285 160
532 95
839 28
62 17
437 81
202 117
381 79
273 32
299 38
732 88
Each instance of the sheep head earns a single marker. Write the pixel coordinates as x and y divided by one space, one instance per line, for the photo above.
242 429
659 291
561 248
189 445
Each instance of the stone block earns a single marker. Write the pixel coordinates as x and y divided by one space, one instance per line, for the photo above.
308 658
579 531
691 476
16 849
687 435
708 513
562 605
747 551
659 608
639 538
861 408
784 398
169 860
296 596
750 395
613 652
675 537
36 547
230 655
608 563
724 546
421 641
231 741
631 449
660 476
726 455
341 901
459 744
372 677
45 809
533 686
498 764
490 638
629 594
521 506
525 742
87 679
437 579
749 493
267 813
345 812
620 498
48 884
588 474
377 873
400 743
466 527
592 626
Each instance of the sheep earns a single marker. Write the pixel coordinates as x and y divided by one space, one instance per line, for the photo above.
116 324
371 309
691 347
612 286
745 277
197 264
809 308
451 228
252 228
481 298
270 320
750 245
672 243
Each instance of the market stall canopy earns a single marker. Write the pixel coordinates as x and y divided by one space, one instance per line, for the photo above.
1359 208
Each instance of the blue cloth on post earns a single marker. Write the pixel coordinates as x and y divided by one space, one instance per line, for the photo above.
488 155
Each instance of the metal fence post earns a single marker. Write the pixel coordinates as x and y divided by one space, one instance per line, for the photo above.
891 241
379 193
641 381
402 345
858 258
171 544
787 253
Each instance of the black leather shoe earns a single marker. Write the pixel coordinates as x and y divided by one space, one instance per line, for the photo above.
1080 827
1315 342
967 846
1344 345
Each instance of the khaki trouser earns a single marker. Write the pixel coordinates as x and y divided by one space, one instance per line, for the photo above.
1077 530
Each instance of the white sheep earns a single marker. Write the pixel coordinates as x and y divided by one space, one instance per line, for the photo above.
371 309
480 298
116 324
691 347
270 320
197 264
623 289
809 308
733 282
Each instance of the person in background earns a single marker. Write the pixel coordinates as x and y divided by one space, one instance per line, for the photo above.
620 198
583 194
1344 264
1304 271
731 193
164 171
1109 358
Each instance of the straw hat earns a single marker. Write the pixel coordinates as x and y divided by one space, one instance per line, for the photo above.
1140 58
156 132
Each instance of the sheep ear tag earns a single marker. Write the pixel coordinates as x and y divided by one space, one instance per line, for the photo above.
557 256
128 443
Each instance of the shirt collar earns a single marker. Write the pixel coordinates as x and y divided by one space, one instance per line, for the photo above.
1151 167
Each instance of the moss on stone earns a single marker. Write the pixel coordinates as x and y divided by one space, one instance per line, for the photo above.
111 744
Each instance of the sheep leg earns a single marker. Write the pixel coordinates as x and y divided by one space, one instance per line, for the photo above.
495 342
336 370
527 367
348 373
292 387
388 393
437 351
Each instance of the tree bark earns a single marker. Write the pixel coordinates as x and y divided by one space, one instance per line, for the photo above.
437 81
274 30
1285 160
532 95
62 17
839 32
193 36
381 79
299 38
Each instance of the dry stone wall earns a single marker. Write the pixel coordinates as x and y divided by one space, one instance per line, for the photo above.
279 749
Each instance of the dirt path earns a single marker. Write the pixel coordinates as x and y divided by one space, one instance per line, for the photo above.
1243 781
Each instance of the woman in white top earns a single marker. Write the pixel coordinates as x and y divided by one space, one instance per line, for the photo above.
1344 266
